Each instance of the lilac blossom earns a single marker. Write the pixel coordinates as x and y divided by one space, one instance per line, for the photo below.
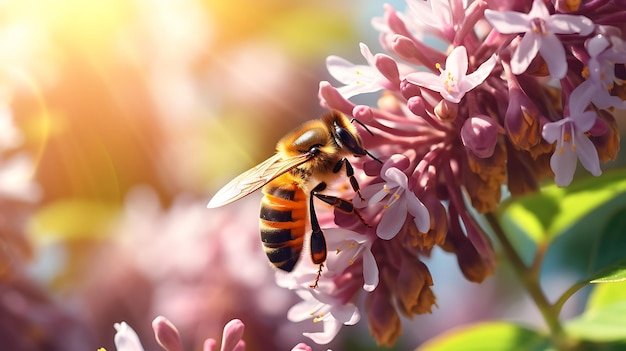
540 29
571 141
168 337
348 248
400 202
454 138
318 306
359 79
453 81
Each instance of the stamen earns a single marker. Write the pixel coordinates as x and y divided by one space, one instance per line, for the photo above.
393 200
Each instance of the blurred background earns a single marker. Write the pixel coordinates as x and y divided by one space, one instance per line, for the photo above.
120 119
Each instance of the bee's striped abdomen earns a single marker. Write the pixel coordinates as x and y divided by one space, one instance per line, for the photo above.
282 222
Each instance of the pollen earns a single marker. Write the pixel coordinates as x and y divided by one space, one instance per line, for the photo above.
318 318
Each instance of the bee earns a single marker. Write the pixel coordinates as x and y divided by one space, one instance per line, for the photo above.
305 161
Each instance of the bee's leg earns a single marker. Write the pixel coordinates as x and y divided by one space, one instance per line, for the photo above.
337 202
350 174
318 242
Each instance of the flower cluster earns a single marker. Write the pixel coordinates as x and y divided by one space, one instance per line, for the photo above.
168 337
476 97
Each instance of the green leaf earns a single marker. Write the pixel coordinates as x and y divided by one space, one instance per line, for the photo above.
491 336
604 318
547 214
606 323
605 295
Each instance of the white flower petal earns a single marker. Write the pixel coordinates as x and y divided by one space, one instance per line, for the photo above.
417 209
587 154
563 164
392 220
553 53
525 52
370 271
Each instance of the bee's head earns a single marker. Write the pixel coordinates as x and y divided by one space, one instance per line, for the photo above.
346 136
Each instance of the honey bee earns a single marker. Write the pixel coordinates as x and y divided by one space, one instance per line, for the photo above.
305 160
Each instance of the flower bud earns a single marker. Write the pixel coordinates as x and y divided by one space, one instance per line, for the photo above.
331 98
166 334
384 323
480 134
413 287
446 111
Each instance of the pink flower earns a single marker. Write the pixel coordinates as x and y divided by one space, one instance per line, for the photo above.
359 79
540 30
350 247
401 200
169 339
453 81
572 142
319 306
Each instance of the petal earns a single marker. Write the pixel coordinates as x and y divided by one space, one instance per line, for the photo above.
456 63
539 10
370 271
126 338
508 22
427 80
347 314
417 209
580 97
472 80
587 154
563 164
368 193
396 178
554 54
567 24
166 334
361 87
377 196
331 329
365 51
584 121
233 332
551 132
596 45
303 309
525 52
392 220
341 69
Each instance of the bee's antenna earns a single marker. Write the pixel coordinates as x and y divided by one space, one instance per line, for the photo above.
369 131
362 125
373 157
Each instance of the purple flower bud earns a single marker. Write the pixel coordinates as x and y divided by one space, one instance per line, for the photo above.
480 134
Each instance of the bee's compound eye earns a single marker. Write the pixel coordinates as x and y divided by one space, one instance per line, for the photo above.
349 141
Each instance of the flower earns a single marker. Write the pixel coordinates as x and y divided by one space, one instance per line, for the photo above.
167 336
350 247
453 81
571 141
400 197
359 79
540 30
323 307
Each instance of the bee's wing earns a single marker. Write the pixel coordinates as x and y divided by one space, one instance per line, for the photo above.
255 178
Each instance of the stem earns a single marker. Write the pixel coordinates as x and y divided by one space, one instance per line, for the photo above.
529 277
